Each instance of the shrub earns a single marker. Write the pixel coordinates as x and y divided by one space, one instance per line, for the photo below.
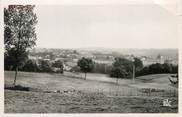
30 66
58 64
158 69
45 66
121 68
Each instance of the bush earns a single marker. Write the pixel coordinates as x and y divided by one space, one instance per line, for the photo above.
118 72
45 66
158 69
58 64
122 68
30 66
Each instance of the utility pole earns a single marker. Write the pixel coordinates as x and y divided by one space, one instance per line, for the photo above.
133 72
133 62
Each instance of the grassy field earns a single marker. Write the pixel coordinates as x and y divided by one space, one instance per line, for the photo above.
56 93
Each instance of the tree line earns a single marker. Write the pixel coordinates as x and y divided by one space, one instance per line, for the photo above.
35 66
158 68
20 37
121 67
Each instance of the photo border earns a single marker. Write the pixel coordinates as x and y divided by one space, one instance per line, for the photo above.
4 3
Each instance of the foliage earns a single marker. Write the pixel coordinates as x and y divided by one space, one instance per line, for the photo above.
45 66
19 33
118 72
58 64
10 61
30 66
122 68
138 64
158 69
85 64
39 66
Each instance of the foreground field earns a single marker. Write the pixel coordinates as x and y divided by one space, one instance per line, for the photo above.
78 102
89 96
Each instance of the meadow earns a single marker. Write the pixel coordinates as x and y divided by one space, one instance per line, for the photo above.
70 93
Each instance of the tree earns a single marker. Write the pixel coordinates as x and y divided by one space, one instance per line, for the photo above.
45 66
167 68
118 72
158 68
19 32
30 66
175 69
86 65
58 64
121 68
138 64
10 60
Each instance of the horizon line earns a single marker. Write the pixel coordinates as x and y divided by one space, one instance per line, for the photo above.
100 48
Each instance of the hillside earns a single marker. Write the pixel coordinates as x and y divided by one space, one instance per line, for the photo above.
60 93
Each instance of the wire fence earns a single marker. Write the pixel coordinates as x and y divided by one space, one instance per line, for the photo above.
137 92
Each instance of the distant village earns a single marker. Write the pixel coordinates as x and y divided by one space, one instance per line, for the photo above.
69 57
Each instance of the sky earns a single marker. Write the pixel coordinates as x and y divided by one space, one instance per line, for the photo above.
153 24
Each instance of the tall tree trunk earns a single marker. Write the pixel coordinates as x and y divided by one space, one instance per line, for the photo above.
16 57
16 71
85 75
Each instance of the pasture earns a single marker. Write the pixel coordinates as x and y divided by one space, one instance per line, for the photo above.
69 93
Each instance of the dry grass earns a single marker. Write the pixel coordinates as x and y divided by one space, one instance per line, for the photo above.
81 96
78 102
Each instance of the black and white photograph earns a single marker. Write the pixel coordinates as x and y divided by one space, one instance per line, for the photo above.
88 58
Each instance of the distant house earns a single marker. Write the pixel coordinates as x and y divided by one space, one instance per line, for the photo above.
55 69
109 62
69 65
149 62
174 62
59 58
39 57
143 58
46 59
32 57
160 59
75 60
